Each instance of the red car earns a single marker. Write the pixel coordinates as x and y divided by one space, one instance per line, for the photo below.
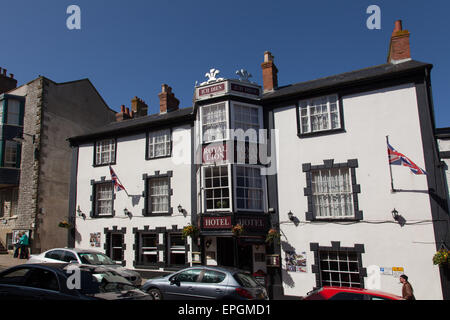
342 293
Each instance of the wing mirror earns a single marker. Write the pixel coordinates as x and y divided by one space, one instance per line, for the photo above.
73 262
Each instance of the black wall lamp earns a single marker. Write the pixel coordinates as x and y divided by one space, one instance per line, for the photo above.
127 213
291 216
80 213
181 210
395 215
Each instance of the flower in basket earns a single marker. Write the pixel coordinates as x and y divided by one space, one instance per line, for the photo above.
441 257
237 230
272 235
65 224
189 231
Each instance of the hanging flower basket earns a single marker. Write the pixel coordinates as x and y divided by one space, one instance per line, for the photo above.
190 231
272 235
65 224
237 230
441 258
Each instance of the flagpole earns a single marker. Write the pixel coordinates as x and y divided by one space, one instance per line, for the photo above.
390 167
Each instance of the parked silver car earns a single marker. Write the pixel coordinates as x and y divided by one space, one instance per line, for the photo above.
205 282
87 257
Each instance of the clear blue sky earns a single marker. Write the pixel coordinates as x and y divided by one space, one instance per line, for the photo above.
129 48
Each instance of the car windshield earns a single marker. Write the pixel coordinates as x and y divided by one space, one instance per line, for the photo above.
246 280
95 258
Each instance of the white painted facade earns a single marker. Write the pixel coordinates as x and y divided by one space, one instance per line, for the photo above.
368 118
131 165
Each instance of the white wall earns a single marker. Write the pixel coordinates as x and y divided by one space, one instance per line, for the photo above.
130 166
368 118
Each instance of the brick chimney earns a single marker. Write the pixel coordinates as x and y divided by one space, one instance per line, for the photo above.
7 83
124 114
270 78
138 108
167 100
399 49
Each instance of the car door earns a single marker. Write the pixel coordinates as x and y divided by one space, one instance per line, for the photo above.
182 286
212 285
43 284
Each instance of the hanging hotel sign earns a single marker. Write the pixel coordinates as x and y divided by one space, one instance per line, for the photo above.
222 222
214 153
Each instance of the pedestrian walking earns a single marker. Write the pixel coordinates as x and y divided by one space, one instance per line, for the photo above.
407 290
17 244
24 243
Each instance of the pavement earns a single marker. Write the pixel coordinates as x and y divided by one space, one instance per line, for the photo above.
7 261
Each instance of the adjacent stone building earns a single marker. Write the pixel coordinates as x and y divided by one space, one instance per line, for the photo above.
36 160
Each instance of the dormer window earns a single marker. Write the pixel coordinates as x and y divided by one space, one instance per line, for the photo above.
214 122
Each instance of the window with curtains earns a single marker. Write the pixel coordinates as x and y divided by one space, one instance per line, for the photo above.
158 195
159 144
246 117
105 152
319 114
214 122
332 193
249 188
104 199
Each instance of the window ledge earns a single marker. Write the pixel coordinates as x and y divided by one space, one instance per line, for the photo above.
321 133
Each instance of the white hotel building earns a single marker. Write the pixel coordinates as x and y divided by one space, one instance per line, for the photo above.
345 216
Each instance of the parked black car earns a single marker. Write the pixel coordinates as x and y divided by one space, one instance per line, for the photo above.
58 281
206 283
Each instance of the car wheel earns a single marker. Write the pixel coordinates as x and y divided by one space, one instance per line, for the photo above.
156 294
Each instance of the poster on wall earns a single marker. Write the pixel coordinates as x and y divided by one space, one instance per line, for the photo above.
95 239
295 262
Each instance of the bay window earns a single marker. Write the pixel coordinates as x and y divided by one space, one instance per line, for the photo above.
249 188
217 187
214 122
10 159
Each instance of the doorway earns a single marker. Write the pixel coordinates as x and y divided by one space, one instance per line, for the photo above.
245 257
225 252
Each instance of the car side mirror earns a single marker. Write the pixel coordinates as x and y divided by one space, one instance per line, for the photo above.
73 262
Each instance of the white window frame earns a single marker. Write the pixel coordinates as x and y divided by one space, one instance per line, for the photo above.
100 147
150 195
227 122
167 143
260 118
112 248
10 153
229 189
346 193
309 104
101 200
338 262
263 186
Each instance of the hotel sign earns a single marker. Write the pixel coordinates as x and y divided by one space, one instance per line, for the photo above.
222 222
214 153
211 90
244 89
253 223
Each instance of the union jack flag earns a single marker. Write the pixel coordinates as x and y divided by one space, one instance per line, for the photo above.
117 185
399 159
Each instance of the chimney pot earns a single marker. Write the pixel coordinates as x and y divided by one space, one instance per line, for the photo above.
11 76
167 100
122 108
398 26
4 72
